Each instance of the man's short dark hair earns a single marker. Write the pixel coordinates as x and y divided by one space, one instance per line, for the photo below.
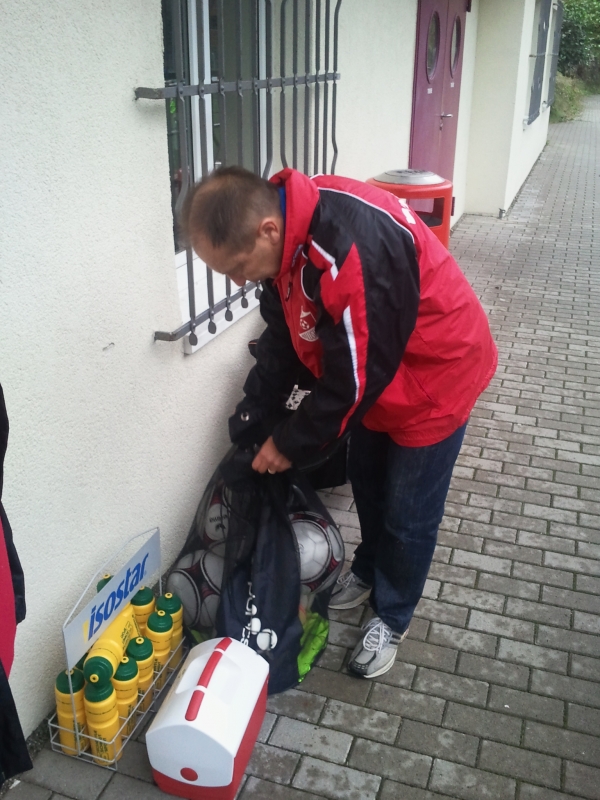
226 206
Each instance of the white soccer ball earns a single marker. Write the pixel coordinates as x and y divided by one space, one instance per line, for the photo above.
216 524
320 548
210 604
212 566
181 583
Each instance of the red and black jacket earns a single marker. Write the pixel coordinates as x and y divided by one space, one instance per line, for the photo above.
378 310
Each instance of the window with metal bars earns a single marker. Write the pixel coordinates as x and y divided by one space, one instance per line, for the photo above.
558 19
247 82
542 9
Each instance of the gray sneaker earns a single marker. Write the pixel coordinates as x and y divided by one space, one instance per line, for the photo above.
349 591
376 651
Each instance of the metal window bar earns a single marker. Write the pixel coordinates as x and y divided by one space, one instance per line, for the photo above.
255 85
540 61
558 20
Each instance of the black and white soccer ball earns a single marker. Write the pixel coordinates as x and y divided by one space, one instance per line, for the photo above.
320 548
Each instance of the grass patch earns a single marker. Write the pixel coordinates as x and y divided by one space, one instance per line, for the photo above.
568 96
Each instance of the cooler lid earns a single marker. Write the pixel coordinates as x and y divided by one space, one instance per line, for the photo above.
409 177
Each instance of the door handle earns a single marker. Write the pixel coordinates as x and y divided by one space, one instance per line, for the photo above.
443 116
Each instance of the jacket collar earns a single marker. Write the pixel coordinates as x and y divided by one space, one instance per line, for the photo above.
301 198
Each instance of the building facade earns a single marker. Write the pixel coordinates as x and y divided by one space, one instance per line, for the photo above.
114 431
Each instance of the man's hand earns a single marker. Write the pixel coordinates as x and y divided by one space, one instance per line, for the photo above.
269 459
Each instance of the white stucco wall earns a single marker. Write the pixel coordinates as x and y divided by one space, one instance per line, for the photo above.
110 433
376 62
464 111
501 151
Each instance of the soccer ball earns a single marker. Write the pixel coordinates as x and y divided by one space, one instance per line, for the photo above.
216 524
210 604
212 566
181 583
320 548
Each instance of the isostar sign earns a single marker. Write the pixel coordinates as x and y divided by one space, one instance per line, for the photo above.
88 625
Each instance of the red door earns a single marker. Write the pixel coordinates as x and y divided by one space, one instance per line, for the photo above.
438 67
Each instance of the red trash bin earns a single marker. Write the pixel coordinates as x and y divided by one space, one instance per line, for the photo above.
428 195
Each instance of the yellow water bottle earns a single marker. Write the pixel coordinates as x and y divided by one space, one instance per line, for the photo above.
159 630
143 605
125 681
106 654
103 723
170 603
64 711
142 651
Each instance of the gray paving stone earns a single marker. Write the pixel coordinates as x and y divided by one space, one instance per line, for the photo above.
509 586
438 742
550 576
467 783
343 635
360 721
390 762
538 612
442 612
333 684
562 743
493 671
485 724
76 779
134 762
584 667
28 791
401 674
568 640
529 792
472 598
300 705
584 583
582 780
570 599
522 704
515 552
453 574
546 542
349 616
583 719
333 657
466 640
586 622
391 790
452 687
334 781
533 655
502 626
256 789
566 688
272 764
428 655
520 763
266 727
292 734
122 786
463 558
413 705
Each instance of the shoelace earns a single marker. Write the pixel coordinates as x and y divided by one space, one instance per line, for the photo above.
346 579
378 635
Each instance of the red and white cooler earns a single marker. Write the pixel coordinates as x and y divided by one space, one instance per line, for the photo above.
201 739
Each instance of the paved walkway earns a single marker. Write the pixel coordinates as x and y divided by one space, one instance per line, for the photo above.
496 693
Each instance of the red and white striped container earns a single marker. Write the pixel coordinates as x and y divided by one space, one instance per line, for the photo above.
201 739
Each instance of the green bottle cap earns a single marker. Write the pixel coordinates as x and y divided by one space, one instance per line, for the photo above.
102 583
142 597
159 622
99 667
168 602
140 648
126 670
77 680
95 690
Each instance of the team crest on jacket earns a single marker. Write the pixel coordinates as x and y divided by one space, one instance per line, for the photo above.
307 326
